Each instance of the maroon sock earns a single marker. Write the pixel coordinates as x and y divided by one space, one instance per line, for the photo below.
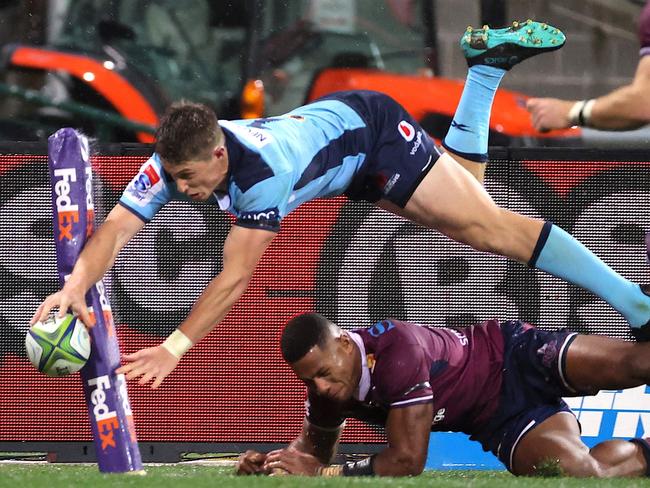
645 449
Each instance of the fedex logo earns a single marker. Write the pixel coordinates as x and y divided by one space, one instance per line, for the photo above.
105 418
90 205
126 406
68 213
107 312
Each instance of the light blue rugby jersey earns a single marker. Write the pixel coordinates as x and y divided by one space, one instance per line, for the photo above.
275 165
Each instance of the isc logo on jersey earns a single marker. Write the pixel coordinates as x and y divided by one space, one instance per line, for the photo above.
143 187
268 215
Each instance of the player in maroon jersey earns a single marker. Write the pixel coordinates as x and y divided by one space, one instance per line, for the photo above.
500 382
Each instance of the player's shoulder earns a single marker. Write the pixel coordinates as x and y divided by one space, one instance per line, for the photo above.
151 178
391 335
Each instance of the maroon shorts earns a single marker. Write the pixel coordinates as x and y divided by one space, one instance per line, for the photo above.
534 382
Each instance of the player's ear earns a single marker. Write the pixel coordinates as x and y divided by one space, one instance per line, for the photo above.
345 340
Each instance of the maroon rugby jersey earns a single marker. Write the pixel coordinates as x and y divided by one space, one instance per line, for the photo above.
644 30
404 364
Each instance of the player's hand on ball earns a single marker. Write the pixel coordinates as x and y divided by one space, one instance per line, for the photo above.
251 462
292 461
69 298
152 363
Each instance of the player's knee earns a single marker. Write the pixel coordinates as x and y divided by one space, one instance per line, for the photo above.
489 236
410 464
581 465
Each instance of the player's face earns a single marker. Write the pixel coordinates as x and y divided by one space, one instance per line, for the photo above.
333 371
200 178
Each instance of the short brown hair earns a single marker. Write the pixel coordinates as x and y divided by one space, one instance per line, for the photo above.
188 131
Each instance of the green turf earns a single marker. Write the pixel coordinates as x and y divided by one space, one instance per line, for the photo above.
198 476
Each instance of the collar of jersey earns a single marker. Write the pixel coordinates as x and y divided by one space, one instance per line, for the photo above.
364 383
223 200
234 151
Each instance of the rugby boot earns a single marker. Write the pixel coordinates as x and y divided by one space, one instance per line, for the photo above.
504 48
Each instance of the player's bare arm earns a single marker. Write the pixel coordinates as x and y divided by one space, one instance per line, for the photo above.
407 431
318 441
627 107
242 251
96 258
311 451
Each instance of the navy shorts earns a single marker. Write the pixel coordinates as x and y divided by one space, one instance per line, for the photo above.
401 154
534 382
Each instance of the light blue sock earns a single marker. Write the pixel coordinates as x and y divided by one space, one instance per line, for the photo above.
469 131
561 255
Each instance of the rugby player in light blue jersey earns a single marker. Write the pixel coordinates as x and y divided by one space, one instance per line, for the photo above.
359 143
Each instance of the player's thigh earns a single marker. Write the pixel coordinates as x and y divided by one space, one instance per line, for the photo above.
450 197
596 362
450 200
555 442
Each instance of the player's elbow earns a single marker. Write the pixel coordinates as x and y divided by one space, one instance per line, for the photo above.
233 282
239 282
409 463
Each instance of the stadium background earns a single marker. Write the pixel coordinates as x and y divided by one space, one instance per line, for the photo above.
349 261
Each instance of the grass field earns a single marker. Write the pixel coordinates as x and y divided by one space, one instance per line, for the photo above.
18 475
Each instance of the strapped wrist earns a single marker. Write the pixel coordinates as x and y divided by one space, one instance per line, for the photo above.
580 112
330 471
177 343
575 111
364 467
584 116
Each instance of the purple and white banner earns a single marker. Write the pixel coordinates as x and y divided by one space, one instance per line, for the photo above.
105 392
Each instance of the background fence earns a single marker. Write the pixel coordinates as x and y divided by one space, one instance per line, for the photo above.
350 261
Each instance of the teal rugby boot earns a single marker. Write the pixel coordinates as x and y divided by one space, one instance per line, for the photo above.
504 48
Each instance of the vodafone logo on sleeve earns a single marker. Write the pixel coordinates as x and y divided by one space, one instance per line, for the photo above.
407 130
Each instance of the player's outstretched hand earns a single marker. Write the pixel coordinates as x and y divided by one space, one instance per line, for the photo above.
152 363
549 113
251 462
66 299
292 461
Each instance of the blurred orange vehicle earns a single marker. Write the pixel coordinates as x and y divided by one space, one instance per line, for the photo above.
110 67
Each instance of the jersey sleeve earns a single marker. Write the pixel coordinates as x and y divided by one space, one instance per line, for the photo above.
402 376
148 191
264 205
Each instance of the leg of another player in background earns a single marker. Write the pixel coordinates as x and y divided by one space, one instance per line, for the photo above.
593 363
450 200
557 442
